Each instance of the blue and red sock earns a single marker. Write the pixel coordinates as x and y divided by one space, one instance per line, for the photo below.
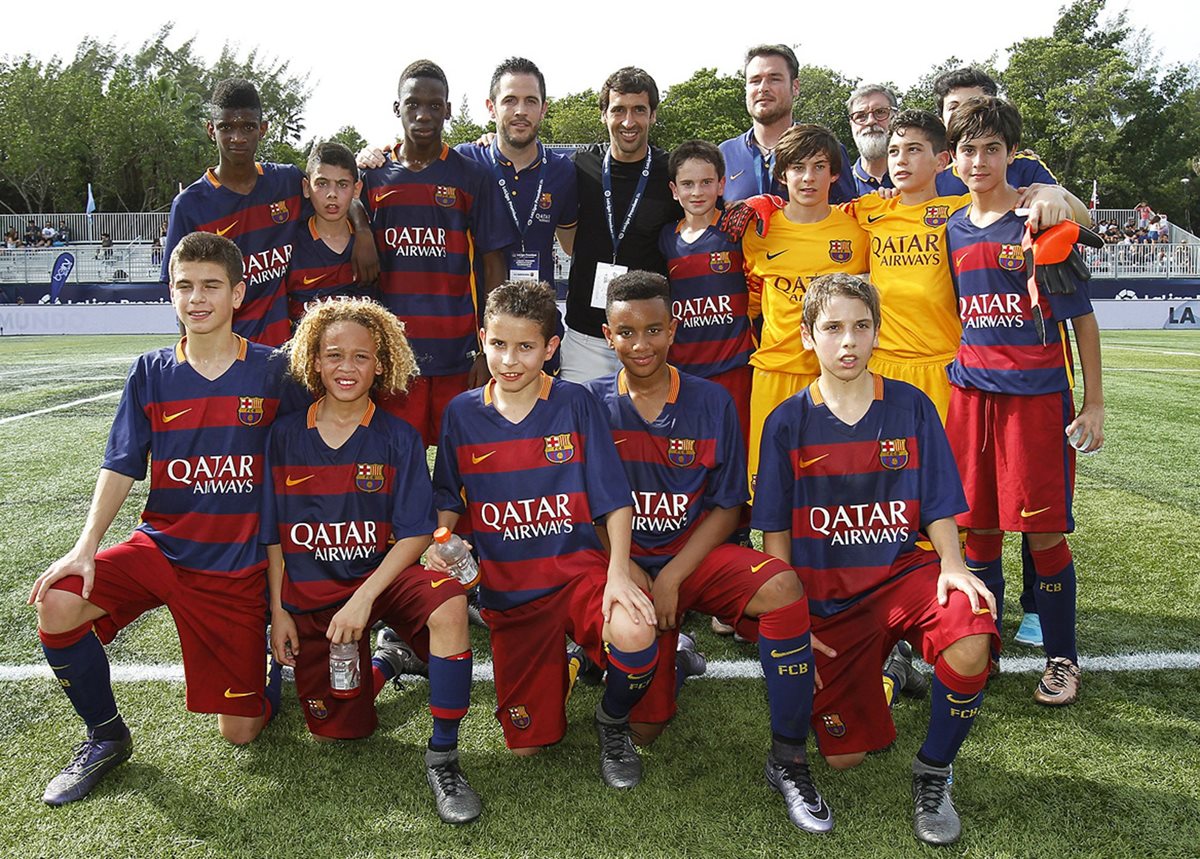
628 677
983 558
1054 593
785 651
954 703
449 697
78 660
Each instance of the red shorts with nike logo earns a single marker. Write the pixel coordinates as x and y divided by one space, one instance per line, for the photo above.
529 657
722 585
424 403
1017 468
222 621
405 606
850 713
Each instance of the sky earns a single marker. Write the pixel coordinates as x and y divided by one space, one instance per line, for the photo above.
356 85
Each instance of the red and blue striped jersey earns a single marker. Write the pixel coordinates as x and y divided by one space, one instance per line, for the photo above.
205 440
336 512
534 488
709 298
855 498
428 226
682 464
1001 350
317 271
263 225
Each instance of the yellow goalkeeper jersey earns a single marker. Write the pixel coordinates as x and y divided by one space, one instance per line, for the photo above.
778 269
911 269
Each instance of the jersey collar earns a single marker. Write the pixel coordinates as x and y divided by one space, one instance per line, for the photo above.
366 418
312 228
210 175
543 394
814 391
672 391
181 352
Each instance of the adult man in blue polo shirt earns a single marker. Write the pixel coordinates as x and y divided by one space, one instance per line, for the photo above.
871 107
771 87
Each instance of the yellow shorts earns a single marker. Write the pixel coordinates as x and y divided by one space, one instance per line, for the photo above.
767 390
928 374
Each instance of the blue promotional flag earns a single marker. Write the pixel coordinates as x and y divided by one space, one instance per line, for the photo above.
62 270
91 201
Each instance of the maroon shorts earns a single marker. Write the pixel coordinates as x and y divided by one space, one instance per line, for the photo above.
851 714
722 585
1017 468
737 382
222 621
529 657
424 403
405 606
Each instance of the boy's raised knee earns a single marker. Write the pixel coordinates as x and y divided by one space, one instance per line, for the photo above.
845 762
240 730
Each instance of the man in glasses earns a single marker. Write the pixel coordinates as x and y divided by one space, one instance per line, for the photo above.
871 107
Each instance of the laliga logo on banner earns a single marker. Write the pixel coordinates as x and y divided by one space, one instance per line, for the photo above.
63 266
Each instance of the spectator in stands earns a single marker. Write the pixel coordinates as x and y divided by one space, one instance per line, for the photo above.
1164 227
106 244
11 239
47 235
32 234
1143 212
156 251
64 234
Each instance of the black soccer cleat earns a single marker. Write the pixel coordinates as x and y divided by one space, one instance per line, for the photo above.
90 761
913 684
457 802
397 653
620 765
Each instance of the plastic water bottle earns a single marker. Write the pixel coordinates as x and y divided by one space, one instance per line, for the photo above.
344 676
1078 441
459 561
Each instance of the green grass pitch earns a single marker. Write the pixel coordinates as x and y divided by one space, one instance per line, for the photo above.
1118 774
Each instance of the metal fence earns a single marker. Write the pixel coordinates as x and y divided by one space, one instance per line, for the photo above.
121 263
121 226
1146 260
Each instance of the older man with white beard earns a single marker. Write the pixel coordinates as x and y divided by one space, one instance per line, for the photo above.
871 107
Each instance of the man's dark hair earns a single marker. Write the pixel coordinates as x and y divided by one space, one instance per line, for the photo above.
698 149
516 66
984 115
236 94
423 69
923 121
629 81
524 299
788 55
334 154
638 286
967 76
208 247
805 141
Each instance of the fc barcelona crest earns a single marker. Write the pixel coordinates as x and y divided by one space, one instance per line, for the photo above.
893 453
719 262
519 717
681 451
279 212
839 250
559 448
545 201
317 707
834 724
1011 257
445 196
368 476
250 410
935 216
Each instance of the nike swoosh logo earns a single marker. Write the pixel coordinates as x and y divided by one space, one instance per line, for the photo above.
805 463
384 195
617 441
636 677
229 693
873 218
1025 514
958 262
671 270
475 460
735 175
227 229
954 700
441 582
166 419
756 567
777 253
309 280
296 481
776 654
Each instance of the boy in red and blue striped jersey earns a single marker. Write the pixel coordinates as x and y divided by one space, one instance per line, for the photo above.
1012 381
348 512
321 264
257 206
532 459
708 285
679 440
433 211
200 412
856 479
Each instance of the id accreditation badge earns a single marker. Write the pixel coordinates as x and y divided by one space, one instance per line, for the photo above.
524 267
605 272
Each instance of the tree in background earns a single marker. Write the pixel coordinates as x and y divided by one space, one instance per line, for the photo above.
574 118
708 106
